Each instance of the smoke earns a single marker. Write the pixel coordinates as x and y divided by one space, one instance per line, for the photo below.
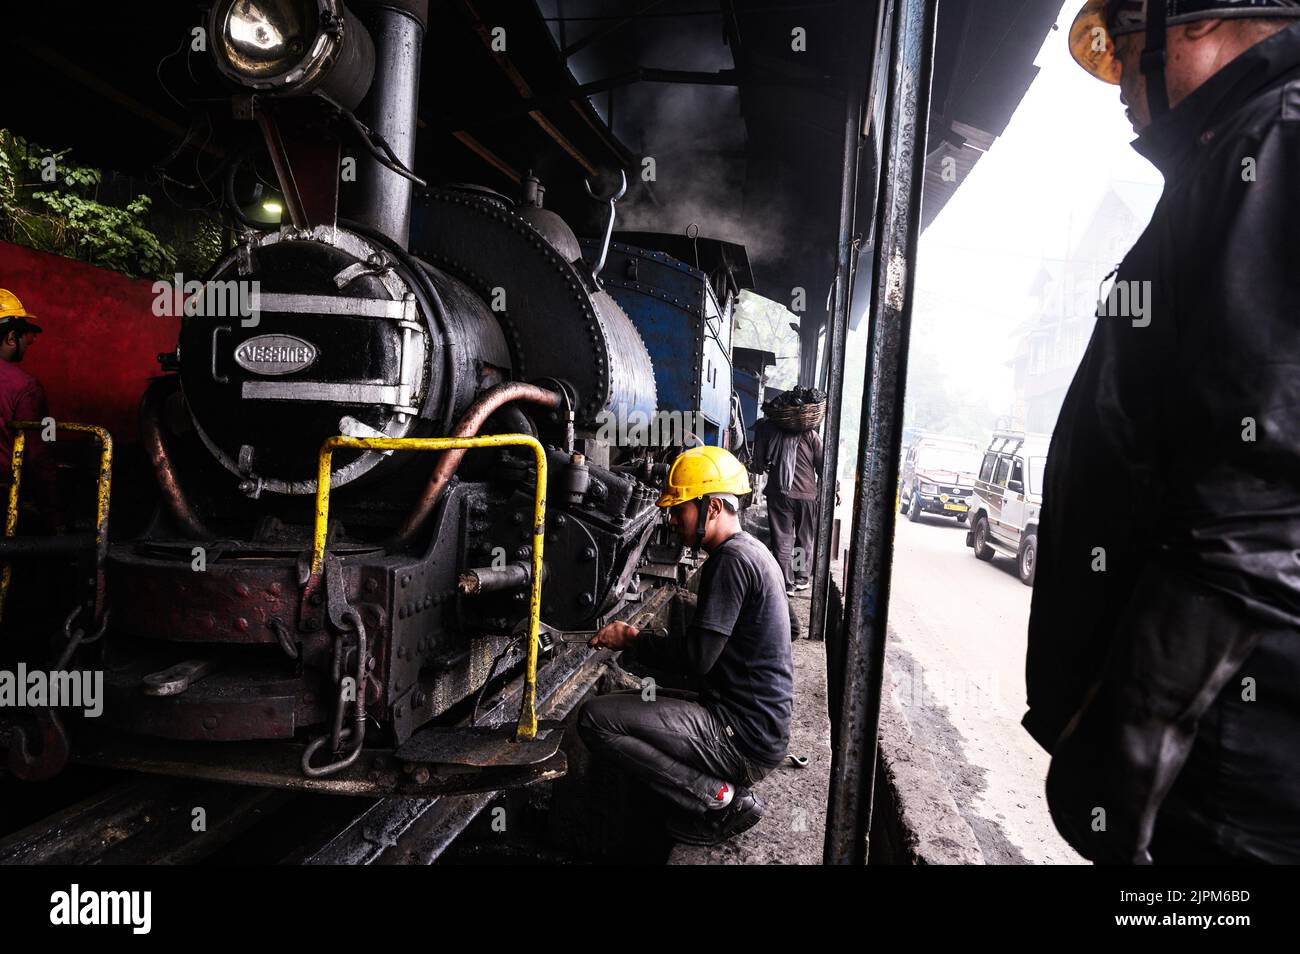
690 141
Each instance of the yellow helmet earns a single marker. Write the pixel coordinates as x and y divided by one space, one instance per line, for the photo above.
704 470
1091 44
11 307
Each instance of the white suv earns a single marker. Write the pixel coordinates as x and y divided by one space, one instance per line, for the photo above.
1008 497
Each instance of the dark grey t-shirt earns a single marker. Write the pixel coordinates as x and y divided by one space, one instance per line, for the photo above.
742 597
770 442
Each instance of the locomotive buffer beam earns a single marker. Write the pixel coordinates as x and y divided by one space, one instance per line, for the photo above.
489 762
485 760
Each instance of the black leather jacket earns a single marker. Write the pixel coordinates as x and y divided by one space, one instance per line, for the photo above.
1163 670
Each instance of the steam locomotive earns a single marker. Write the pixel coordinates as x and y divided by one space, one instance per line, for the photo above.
323 578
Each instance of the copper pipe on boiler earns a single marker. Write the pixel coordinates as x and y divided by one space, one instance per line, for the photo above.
468 426
155 446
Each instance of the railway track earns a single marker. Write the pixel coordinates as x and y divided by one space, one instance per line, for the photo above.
141 819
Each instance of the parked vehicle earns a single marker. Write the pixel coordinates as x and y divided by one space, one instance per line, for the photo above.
1008 497
938 476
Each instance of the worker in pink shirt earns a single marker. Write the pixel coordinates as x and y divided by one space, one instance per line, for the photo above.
23 399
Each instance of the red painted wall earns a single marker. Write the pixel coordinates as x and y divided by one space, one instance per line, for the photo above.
101 339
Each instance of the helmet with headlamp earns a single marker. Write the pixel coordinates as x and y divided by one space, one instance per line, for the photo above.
1099 22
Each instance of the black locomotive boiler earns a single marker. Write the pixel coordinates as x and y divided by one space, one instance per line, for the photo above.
386 314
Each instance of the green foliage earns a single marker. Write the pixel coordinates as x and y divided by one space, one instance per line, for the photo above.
935 403
764 324
65 216
199 242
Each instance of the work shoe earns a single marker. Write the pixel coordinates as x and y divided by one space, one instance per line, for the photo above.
712 827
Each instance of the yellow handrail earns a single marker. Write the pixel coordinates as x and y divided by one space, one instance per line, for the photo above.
527 726
103 490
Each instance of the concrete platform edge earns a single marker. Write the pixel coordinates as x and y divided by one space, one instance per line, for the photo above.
915 819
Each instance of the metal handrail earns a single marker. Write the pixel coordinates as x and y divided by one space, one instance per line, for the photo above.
103 489
527 725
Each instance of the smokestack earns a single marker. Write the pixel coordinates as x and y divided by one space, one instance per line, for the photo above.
381 198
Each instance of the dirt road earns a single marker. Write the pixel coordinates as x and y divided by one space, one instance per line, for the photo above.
957 654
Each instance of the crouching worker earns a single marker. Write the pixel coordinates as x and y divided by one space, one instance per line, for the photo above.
704 753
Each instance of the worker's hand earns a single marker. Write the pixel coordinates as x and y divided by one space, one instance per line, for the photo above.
614 636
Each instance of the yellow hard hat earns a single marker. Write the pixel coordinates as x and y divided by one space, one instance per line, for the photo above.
1091 44
704 470
11 307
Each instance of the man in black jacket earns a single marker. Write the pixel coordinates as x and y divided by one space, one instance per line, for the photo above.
793 462
703 753
1163 669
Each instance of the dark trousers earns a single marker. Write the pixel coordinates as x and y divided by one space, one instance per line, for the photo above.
794 534
672 743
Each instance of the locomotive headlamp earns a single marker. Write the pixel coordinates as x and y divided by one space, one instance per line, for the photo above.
293 47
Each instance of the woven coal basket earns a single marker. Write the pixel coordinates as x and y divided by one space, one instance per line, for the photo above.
800 417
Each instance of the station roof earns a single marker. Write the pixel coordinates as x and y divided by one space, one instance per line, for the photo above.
725 114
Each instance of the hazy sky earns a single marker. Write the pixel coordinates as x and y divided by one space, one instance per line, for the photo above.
1027 199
